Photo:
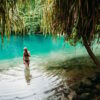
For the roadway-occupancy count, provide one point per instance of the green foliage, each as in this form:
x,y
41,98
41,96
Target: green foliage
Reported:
x,y
35,21
10,19
73,18
15,15
31,13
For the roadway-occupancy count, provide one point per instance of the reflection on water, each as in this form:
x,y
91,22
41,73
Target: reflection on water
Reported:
x,y
27,74
15,80
36,44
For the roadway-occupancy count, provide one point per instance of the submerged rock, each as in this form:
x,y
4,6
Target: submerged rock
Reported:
x,y
98,86
86,89
72,96
95,79
86,82
66,92
85,96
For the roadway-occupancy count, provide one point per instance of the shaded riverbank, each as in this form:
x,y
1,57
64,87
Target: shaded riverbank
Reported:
x,y
81,79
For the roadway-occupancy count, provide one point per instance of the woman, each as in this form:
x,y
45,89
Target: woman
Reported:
x,y
26,56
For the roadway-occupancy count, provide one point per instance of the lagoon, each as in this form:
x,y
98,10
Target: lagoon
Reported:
x,y
35,83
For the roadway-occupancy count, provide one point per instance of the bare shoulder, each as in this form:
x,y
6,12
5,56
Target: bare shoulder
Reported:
x,y
29,53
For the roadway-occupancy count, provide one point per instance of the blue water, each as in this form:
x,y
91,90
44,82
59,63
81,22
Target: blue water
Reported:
x,y
39,44
36,44
13,74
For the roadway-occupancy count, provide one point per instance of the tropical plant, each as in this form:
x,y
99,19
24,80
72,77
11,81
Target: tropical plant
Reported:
x,y
33,22
14,15
9,17
78,20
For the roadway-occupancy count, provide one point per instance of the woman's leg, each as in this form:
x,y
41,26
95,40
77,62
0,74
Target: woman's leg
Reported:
x,y
26,64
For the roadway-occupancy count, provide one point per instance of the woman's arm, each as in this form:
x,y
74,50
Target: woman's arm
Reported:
x,y
23,58
29,54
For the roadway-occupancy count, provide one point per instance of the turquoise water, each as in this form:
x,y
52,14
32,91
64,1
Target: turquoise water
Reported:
x,y
36,44
20,83
39,44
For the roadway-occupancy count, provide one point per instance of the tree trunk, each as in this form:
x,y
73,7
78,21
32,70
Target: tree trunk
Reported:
x,y
91,54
